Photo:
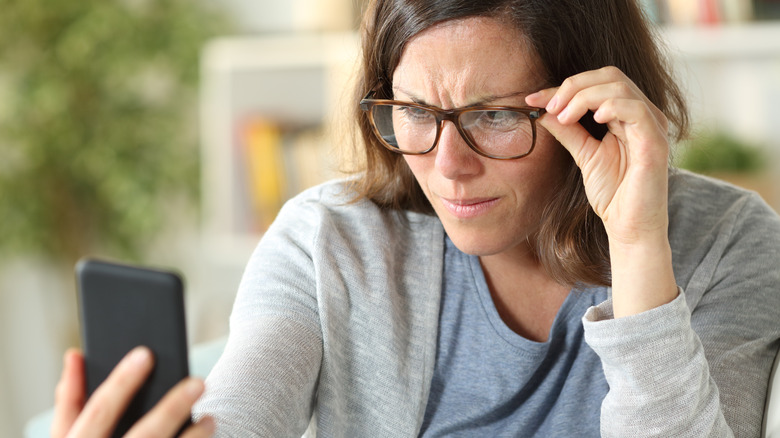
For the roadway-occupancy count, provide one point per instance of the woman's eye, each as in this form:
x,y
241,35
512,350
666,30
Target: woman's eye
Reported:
x,y
499,119
415,114
500,116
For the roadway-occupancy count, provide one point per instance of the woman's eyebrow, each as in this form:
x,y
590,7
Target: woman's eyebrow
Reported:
x,y
481,101
492,98
411,95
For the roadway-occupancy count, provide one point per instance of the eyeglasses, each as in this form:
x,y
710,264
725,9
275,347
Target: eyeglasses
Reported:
x,y
499,132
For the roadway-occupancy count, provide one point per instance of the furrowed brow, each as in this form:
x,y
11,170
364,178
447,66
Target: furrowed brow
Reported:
x,y
486,100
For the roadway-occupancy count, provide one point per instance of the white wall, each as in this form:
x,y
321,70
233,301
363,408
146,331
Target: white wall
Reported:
x,y
34,309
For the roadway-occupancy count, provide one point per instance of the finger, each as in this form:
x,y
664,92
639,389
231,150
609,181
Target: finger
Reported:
x,y
203,428
167,417
69,396
592,98
637,124
595,97
110,399
573,137
574,84
541,98
585,91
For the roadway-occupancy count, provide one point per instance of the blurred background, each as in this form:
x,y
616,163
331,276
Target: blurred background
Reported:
x,y
169,132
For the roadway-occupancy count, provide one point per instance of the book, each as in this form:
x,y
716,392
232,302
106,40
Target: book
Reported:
x,y
265,175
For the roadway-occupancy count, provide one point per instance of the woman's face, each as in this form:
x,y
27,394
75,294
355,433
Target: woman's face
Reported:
x,y
487,206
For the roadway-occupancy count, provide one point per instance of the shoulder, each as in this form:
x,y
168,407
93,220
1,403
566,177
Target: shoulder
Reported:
x,y
335,205
325,239
329,220
721,234
690,192
700,204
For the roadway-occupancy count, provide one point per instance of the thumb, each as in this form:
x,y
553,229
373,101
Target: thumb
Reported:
x,y
69,396
573,136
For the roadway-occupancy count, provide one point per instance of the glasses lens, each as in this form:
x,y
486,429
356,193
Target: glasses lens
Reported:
x,y
405,128
499,133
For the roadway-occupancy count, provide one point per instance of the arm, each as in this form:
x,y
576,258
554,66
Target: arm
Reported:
x,y
625,176
265,381
658,375
723,350
734,294
626,180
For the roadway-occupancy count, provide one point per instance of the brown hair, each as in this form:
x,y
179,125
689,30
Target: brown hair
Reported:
x,y
570,37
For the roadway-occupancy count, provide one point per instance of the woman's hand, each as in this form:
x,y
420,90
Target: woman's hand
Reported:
x,y
625,173
74,416
625,176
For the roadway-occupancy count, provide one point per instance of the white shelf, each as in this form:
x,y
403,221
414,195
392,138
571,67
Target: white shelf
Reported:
x,y
298,81
749,40
732,77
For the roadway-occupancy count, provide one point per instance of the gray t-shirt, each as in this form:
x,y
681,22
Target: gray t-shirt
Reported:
x,y
489,381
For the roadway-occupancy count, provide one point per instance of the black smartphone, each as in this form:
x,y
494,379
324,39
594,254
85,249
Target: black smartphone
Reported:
x,y
122,307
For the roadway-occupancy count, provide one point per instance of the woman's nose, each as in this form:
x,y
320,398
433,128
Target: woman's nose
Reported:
x,y
454,158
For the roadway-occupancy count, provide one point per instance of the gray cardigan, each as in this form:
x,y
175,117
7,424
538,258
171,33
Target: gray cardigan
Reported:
x,y
334,328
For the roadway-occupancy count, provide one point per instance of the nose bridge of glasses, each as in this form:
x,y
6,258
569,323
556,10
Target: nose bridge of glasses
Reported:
x,y
447,114
460,134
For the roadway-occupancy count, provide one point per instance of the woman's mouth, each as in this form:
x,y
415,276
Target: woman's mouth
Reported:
x,y
468,208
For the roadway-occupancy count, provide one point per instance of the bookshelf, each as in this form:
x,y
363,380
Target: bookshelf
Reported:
x,y
270,112
710,12
725,42
732,77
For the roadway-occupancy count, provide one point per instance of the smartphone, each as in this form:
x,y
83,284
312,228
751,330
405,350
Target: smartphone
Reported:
x,y
122,307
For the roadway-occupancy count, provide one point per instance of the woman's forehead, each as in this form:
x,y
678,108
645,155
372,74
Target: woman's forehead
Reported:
x,y
467,59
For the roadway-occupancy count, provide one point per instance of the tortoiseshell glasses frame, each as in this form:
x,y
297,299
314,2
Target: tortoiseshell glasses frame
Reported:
x,y
377,108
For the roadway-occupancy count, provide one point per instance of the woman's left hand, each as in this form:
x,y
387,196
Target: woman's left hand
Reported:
x,y
625,176
625,173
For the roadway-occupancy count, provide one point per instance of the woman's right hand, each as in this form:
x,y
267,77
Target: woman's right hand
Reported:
x,y
74,416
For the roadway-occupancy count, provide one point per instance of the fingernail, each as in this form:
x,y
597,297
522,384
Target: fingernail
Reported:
x,y
140,356
553,104
208,424
597,115
562,115
194,387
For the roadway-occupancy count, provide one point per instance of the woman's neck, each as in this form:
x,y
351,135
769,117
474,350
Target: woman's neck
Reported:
x,y
525,296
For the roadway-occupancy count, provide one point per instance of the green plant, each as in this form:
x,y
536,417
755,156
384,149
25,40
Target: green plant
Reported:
x,y
97,108
719,152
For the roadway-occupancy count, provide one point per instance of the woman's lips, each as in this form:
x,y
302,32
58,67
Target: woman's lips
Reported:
x,y
468,208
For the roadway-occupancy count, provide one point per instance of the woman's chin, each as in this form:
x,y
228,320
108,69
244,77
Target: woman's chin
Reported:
x,y
481,245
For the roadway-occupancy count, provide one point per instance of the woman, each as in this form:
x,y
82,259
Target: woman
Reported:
x,y
515,259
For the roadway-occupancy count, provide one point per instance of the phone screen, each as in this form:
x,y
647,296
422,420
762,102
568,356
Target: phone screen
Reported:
x,y
122,307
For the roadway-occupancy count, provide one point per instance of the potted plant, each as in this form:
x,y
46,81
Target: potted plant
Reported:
x,y
727,157
97,112
98,138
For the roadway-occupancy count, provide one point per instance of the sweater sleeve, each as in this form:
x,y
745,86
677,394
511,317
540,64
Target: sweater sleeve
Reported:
x,y
659,381
265,381
736,309
700,365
